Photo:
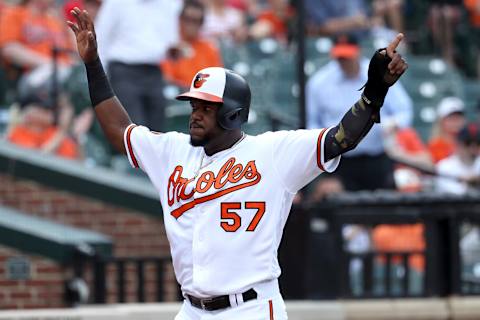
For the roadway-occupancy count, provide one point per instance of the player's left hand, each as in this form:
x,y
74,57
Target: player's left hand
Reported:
x,y
385,68
396,65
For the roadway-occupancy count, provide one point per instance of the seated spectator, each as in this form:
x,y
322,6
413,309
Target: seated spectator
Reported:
x,y
460,172
224,23
450,119
29,34
36,128
404,146
192,53
273,21
331,17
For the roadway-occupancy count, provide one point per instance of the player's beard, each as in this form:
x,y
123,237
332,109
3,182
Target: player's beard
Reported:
x,y
199,142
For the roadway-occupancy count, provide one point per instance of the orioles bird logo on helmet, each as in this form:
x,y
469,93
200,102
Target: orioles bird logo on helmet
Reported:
x,y
200,79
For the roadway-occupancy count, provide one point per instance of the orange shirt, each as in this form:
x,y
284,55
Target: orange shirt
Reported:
x,y
440,148
473,7
23,136
181,71
279,27
401,238
409,140
39,33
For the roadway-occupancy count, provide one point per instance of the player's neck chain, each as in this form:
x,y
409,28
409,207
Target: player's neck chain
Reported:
x,y
207,163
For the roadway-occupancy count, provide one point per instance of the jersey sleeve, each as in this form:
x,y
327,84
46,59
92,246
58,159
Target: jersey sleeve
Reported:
x,y
146,148
298,157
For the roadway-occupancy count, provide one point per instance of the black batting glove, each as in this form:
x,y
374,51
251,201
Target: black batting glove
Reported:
x,y
385,68
377,86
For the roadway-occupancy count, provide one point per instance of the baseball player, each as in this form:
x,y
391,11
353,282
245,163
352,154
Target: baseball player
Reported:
x,y
226,195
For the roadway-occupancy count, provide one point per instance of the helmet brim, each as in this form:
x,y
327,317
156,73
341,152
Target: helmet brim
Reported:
x,y
200,96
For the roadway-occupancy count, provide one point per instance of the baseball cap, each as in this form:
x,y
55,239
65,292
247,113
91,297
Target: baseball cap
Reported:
x,y
470,133
345,46
450,105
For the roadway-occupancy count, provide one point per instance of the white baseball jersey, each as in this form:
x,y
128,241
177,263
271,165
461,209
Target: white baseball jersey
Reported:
x,y
224,214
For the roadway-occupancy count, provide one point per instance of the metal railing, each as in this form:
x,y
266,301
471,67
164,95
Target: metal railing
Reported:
x,y
316,231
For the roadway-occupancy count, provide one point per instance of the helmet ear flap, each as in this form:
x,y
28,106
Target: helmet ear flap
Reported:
x,y
231,119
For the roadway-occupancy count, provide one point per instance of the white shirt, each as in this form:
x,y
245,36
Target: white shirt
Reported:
x,y
329,94
222,26
137,31
224,214
453,166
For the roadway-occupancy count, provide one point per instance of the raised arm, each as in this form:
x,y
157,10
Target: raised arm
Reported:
x,y
386,67
110,113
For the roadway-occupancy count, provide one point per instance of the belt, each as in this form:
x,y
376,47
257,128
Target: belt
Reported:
x,y
220,302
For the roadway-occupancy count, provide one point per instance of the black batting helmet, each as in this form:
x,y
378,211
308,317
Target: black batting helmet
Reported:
x,y
223,86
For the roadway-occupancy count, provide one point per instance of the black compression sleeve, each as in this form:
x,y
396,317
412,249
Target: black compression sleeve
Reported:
x,y
98,84
354,125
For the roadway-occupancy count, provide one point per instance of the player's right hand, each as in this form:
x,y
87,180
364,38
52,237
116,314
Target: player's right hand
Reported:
x,y
85,35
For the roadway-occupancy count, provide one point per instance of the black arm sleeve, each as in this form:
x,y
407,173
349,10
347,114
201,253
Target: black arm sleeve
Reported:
x,y
354,125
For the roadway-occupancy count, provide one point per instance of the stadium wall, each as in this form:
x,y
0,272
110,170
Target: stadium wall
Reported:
x,y
44,289
134,234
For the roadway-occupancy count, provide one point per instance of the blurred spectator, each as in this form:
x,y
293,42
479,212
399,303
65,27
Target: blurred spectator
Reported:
x,y
405,147
450,119
273,21
192,53
444,17
460,172
325,187
37,130
133,36
334,87
30,32
331,17
223,22
399,238
391,12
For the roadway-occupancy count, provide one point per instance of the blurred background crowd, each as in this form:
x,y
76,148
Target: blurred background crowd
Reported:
x,y
429,137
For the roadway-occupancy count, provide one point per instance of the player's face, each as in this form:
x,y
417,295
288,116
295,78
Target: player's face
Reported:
x,y
203,123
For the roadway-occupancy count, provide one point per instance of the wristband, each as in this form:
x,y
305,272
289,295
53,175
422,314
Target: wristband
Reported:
x,y
98,84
